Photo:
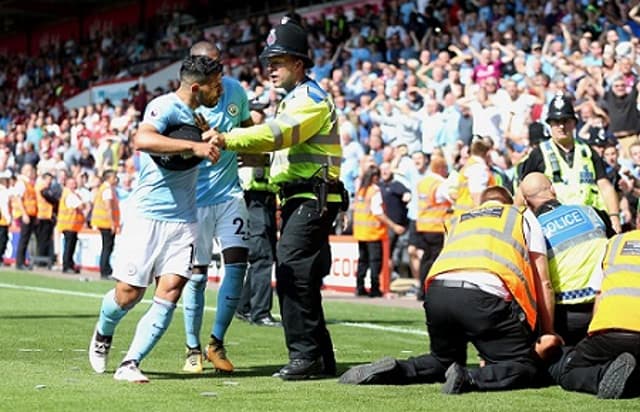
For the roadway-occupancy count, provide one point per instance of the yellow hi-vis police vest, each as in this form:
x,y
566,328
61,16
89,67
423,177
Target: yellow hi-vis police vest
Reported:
x,y
574,185
45,209
491,239
304,133
463,200
576,240
431,214
366,226
100,216
619,304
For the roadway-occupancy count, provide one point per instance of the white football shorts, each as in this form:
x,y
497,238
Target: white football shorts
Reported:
x,y
148,248
228,222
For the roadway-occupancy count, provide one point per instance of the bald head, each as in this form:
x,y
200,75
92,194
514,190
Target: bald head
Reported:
x,y
536,188
204,48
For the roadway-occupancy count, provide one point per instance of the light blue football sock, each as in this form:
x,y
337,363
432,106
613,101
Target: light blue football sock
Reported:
x,y
228,298
110,314
193,302
150,329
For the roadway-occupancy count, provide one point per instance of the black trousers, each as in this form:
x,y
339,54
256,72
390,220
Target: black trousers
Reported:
x,y
581,368
370,257
70,241
491,324
108,239
572,321
44,237
257,294
304,258
25,235
433,243
4,239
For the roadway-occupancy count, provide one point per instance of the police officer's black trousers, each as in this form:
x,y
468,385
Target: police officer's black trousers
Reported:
x,y
257,295
108,239
304,258
582,368
457,316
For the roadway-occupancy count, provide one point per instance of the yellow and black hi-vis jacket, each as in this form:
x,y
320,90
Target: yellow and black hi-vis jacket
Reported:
x,y
303,134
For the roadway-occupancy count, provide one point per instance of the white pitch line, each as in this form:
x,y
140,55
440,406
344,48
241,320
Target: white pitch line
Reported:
x,y
362,325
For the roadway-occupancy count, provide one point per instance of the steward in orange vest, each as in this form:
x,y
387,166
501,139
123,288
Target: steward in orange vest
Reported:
x,y
482,289
370,230
106,218
474,177
434,209
71,220
47,205
25,210
604,362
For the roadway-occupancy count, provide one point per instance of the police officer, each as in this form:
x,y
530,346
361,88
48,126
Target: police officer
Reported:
x,y
577,172
604,362
576,236
306,167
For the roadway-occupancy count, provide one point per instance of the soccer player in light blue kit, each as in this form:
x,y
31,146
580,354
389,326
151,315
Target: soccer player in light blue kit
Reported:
x,y
157,243
222,213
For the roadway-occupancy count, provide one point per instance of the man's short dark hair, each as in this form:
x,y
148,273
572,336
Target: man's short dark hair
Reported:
x,y
198,69
107,174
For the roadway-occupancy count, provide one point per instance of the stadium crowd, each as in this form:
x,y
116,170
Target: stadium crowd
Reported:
x,y
408,79
457,103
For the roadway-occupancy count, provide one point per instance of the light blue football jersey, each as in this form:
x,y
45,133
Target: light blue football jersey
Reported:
x,y
219,182
162,194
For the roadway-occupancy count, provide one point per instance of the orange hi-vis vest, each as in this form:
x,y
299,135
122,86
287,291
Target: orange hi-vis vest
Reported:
x,y
619,304
101,217
366,226
29,200
45,209
463,199
491,239
69,218
432,214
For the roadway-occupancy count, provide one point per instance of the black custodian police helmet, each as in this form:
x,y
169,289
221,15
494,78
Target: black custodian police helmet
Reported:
x,y
287,38
180,161
560,108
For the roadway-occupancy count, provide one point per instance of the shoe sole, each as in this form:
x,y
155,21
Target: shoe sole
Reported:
x,y
450,384
362,374
613,381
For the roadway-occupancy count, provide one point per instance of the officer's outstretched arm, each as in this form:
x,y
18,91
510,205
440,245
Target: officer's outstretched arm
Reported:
x,y
295,125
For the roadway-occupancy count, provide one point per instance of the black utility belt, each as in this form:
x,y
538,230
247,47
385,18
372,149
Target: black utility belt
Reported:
x,y
288,190
319,187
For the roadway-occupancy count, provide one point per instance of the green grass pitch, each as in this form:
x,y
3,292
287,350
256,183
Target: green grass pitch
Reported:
x,y
46,323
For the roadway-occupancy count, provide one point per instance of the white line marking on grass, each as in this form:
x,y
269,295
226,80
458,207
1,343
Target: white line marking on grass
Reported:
x,y
373,326
362,325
